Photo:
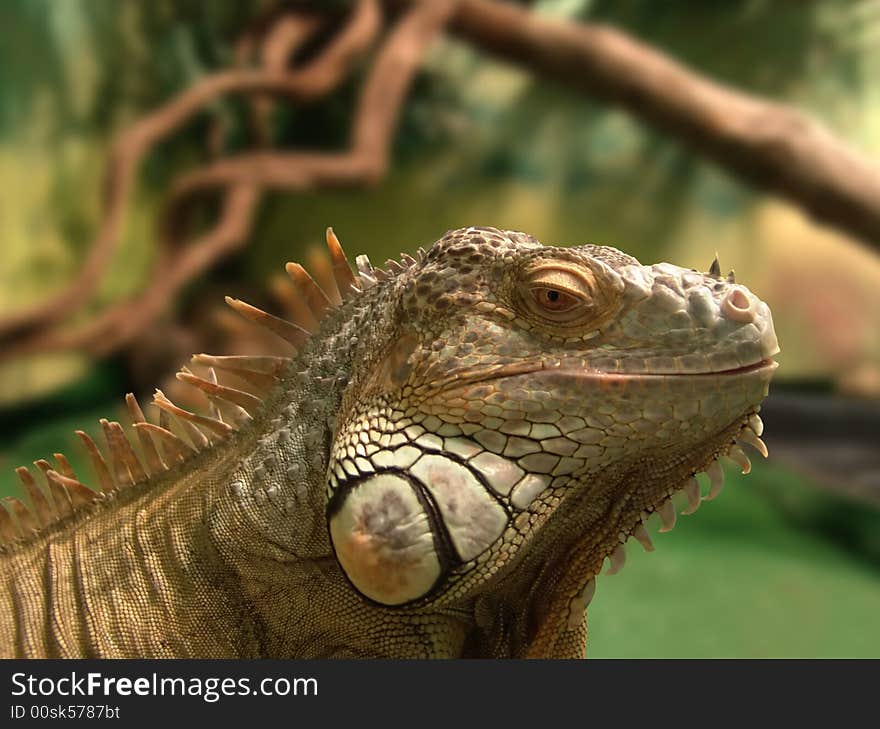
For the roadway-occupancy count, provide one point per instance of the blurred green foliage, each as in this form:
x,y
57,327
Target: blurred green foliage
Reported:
x,y
771,569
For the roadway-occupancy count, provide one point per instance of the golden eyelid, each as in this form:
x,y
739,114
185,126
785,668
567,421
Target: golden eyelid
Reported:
x,y
565,295
569,282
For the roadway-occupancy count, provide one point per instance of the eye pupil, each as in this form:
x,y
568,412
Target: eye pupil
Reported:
x,y
554,300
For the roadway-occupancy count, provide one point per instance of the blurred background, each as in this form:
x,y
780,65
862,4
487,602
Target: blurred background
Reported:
x,y
114,258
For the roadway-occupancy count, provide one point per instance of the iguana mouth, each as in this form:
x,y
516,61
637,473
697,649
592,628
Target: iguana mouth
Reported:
x,y
765,363
497,372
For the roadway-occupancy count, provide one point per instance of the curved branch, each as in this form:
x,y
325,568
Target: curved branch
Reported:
x,y
314,80
375,118
245,177
769,145
282,41
120,323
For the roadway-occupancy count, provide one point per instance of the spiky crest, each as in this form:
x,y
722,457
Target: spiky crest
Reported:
x,y
181,434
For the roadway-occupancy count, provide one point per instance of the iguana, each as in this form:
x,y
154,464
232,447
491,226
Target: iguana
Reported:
x,y
440,470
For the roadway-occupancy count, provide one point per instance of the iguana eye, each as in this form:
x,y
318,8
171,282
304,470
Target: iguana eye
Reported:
x,y
560,294
554,300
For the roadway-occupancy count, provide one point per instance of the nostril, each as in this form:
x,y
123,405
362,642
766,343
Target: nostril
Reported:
x,y
736,306
738,299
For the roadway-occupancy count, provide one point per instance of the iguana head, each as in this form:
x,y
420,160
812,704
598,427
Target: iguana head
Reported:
x,y
531,408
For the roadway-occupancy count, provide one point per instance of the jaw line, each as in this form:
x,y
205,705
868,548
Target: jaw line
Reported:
x,y
496,372
764,366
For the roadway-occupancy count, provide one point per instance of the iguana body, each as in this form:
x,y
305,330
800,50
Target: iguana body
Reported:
x,y
440,470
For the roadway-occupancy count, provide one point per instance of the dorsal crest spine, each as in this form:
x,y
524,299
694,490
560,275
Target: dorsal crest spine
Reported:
x,y
180,434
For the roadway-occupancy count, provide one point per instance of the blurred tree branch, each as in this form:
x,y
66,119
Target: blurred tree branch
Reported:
x,y
33,329
767,144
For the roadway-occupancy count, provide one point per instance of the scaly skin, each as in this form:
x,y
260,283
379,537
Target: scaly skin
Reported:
x,y
440,471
